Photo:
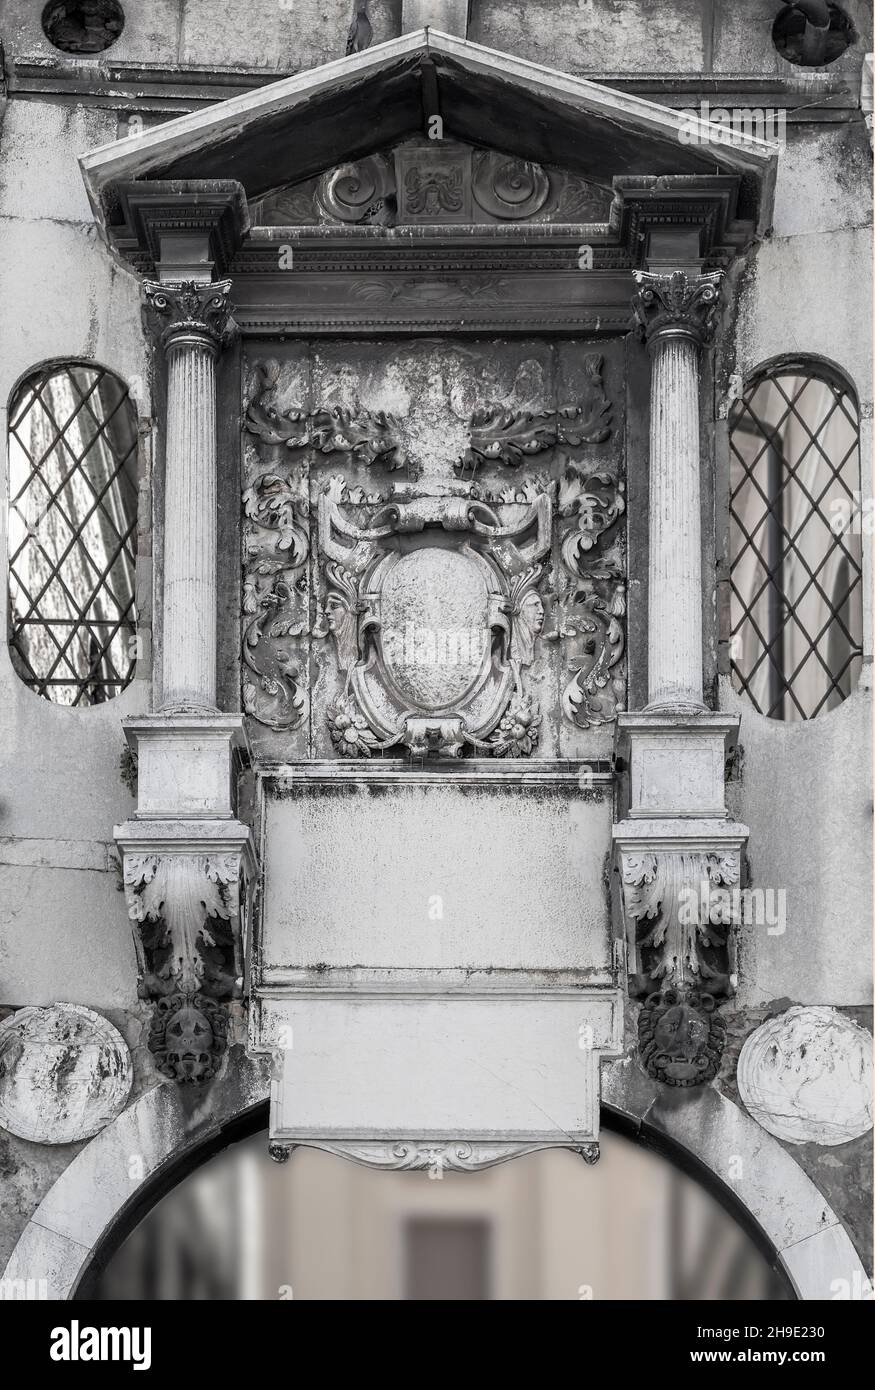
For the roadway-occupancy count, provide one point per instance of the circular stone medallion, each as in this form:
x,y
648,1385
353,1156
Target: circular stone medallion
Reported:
x,y
65,1072
806,1077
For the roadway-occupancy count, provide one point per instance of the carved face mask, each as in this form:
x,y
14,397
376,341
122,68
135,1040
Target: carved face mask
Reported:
x,y
189,1042
681,1038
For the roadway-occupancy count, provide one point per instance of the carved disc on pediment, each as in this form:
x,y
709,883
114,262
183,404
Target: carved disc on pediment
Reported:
x,y
349,192
509,188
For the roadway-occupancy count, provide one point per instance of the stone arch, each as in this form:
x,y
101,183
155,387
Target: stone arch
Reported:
x,y
170,1130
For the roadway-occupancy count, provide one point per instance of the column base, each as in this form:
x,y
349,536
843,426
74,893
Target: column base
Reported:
x,y
676,760
186,762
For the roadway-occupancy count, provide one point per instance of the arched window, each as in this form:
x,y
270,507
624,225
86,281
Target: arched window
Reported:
x,y
795,539
72,533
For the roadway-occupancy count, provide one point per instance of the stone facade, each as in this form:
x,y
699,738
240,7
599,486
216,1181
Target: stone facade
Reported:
x,y
432,713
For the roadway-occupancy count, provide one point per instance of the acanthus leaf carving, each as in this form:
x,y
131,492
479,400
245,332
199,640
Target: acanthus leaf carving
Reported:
x,y
680,923
189,307
185,907
594,503
507,436
592,623
677,305
180,901
369,436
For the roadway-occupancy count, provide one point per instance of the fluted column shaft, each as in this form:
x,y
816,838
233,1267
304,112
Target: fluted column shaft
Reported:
x,y
677,315
195,317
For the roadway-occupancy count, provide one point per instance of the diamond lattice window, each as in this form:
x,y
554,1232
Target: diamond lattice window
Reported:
x,y
72,533
796,518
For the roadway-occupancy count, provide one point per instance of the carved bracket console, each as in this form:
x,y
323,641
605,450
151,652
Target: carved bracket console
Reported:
x,y
678,863
188,868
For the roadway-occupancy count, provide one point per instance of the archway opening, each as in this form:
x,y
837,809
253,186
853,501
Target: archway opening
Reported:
x,y
234,1225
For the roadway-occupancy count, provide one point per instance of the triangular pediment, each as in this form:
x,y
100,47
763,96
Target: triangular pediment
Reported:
x,y
296,129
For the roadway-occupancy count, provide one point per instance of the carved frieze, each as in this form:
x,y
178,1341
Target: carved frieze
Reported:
x,y
436,1159
186,909
437,182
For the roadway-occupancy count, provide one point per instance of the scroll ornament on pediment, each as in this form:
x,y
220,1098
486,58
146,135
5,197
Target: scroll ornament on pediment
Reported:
x,y
454,678
185,907
681,913
501,435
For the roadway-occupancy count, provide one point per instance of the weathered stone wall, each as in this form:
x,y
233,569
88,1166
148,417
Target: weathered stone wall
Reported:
x,y
804,789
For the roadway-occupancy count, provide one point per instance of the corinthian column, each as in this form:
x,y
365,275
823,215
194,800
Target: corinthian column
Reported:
x,y
194,317
676,313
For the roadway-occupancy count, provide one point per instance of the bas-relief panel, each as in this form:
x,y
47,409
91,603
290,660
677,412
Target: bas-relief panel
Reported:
x,y
434,549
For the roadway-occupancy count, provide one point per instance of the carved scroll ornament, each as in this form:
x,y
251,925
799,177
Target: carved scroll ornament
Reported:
x,y
407,1156
507,187
274,600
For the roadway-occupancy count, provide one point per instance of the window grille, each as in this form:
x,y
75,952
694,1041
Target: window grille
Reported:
x,y
795,540
72,533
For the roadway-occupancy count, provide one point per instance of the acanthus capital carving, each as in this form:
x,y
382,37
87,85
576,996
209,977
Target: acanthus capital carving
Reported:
x,y
189,310
677,306
680,913
185,907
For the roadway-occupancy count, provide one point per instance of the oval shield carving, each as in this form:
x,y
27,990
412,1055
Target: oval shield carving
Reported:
x,y
434,625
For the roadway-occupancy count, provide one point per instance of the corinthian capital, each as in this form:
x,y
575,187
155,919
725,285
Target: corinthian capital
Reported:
x,y
677,306
189,308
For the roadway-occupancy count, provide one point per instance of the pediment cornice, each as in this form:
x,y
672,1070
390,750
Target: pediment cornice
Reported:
x,y
300,126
